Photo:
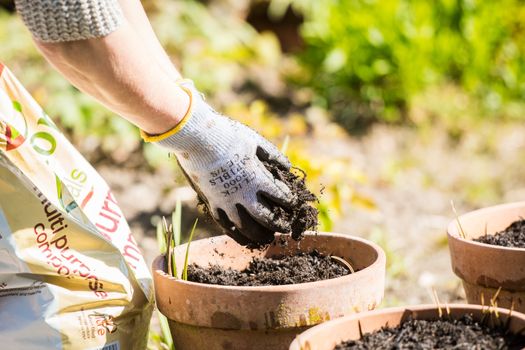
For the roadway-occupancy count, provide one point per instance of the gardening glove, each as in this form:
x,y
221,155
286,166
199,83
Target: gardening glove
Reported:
x,y
222,160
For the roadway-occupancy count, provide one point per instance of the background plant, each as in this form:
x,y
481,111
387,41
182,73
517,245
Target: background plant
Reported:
x,y
374,60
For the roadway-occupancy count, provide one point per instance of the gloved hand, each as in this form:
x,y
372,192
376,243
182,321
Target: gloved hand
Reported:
x,y
221,158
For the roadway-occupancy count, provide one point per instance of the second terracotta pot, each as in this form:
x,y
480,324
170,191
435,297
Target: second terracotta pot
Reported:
x,y
327,335
215,317
486,268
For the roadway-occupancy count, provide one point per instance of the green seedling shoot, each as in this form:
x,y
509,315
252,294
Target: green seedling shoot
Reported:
x,y
161,239
164,243
185,269
176,219
169,237
166,339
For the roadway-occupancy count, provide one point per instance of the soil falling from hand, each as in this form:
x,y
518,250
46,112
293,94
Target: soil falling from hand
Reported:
x,y
513,236
302,216
463,334
279,270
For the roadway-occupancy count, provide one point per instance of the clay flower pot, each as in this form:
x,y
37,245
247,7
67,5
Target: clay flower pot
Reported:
x,y
485,268
327,335
212,317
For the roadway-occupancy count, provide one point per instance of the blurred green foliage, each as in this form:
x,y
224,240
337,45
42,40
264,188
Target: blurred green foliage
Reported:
x,y
372,60
365,60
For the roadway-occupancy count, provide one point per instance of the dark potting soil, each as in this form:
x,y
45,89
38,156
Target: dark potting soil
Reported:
x,y
512,236
303,216
465,333
300,268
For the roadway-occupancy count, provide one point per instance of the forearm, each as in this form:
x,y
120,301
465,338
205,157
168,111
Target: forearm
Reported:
x,y
110,52
117,59
136,16
117,71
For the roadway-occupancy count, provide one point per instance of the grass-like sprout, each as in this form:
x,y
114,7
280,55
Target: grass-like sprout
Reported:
x,y
164,242
461,232
169,237
436,300
176,220
286,141
185,269
170,247
166,340
494,301
161,239
447,307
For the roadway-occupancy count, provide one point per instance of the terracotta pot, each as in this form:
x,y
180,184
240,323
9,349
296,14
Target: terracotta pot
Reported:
x,y
327,335
211,317
485,268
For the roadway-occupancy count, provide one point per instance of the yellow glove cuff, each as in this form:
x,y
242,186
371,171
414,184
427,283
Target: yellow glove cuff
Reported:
x,y
155,138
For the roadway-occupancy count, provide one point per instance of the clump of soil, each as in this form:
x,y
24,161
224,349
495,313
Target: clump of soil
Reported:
x,y
512,236
303,216
464,333
279,270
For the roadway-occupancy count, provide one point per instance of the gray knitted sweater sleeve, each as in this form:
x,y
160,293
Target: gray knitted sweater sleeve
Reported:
x,y
68,20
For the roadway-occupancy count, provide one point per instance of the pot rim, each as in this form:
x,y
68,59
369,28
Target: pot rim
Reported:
x,y
379,261
393,310
453,232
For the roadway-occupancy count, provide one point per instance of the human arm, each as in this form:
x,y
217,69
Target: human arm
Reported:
x,y
126,69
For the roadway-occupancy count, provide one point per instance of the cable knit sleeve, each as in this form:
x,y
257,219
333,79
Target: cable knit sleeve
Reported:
x,y
68,20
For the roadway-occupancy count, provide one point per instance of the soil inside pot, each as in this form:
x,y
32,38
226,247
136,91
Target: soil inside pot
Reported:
x,y
279,270
512,236
303,216
464,333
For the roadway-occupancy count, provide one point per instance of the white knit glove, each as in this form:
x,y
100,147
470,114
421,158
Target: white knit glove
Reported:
x,y
221,158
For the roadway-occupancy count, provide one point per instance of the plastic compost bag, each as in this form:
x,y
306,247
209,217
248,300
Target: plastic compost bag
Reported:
x,y
71,274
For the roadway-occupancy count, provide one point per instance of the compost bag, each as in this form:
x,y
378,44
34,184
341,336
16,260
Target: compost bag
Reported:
x,y
71,274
